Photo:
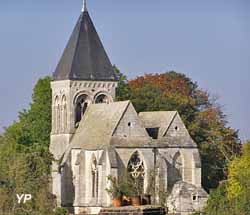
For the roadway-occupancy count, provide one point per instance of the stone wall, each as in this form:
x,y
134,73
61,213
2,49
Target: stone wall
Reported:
x,y
130,125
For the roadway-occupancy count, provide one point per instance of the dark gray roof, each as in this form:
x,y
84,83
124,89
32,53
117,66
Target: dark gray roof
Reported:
x,y
84,57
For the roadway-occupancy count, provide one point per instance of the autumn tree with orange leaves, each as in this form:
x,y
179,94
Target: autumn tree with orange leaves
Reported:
x,y
203,116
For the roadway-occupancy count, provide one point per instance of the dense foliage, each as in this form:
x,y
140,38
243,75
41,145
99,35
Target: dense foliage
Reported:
x,y
25,158
232,196
207,124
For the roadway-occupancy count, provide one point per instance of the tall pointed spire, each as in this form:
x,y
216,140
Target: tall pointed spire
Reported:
x,y
84,7
84,57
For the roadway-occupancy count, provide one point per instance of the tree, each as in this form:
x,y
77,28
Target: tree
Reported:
x,y
122,91
25,158
217,203
169,91
239,174
34,125
232,196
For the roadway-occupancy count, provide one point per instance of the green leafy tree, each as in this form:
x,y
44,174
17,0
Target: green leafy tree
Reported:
x,y
39,115
25,158
122,91
232,196
239,174
34,125
217,203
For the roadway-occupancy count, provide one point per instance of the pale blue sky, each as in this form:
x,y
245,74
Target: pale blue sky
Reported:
x,y
208,40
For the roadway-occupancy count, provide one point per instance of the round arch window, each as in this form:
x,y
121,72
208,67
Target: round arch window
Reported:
x,y
102,99
80,108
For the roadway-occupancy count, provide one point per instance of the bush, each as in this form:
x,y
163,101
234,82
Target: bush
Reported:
x,y
61,211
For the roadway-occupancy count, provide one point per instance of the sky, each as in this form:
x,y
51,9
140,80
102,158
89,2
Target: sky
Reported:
x,y
209,41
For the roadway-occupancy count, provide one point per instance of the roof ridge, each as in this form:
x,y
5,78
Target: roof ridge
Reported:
x,y
167,111
71,66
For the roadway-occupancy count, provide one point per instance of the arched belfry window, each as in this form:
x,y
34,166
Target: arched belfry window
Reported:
x,y
94,173
64,113
102,98
80,108
178,167
136,171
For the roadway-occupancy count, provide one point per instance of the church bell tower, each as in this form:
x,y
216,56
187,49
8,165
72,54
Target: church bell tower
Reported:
x,y
83,76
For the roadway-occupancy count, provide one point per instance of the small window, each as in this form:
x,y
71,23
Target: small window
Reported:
x,y
194,197
176,128
102,99
129,124
153,132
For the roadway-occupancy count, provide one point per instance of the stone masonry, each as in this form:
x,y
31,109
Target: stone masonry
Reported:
x,y
94,137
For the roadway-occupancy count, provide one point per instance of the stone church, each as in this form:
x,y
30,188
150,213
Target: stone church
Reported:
x,y
93,136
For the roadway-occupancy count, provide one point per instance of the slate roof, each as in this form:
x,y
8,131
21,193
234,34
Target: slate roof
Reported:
x,y
98,124
84,57
157,119
96,129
